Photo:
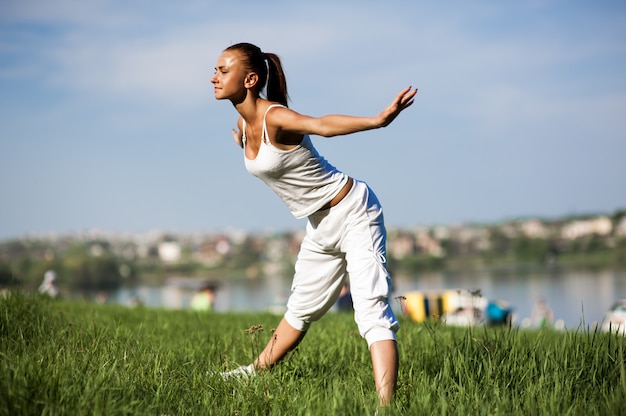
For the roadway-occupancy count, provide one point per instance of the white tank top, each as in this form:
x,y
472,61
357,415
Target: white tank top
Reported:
x,y
301,177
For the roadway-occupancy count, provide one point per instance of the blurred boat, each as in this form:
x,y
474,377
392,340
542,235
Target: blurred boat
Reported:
x,y
458,307
615,319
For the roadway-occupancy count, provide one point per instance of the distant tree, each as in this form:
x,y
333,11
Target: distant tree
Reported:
x,y
91,265
248,253
500,243
90,272
531,249
7,278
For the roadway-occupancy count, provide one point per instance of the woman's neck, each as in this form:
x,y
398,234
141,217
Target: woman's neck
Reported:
x,y
251,108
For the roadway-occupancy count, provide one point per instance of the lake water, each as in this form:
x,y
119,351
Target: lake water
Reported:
x,y
573,296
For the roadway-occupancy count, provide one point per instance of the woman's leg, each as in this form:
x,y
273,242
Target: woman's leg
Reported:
x,y
317,282
370,282
385,364
319,276
284,339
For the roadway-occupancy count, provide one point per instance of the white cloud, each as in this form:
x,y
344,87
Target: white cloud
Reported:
x,y
174,68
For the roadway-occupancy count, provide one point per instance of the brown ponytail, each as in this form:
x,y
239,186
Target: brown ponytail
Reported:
x,y
270,73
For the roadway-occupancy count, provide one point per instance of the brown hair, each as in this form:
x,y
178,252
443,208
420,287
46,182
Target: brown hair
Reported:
x,y
272,73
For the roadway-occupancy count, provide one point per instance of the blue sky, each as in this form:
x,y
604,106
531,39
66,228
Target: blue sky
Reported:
x,y
108,121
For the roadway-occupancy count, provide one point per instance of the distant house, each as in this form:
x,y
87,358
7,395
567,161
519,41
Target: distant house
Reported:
x,y
428,244
620,228
169,251
600,226
534,229
401,245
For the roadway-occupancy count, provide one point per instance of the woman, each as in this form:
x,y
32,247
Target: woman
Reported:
x,y
345,231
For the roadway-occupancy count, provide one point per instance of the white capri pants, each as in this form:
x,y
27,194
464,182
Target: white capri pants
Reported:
x,y
349,238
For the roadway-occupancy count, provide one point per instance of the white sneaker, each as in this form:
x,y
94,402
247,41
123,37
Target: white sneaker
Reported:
x,y
242,372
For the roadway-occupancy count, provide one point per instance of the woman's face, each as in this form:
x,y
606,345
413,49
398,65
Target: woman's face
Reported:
x,y
228,81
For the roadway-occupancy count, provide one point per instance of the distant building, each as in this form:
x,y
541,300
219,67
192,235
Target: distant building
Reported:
x,y
600,226
534,229
169,251
620,228
401,245
428,244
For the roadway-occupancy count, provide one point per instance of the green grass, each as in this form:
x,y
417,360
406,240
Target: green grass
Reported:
x,y
69,358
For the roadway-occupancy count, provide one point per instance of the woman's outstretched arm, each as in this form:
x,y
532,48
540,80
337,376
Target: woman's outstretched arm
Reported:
x,y
335,124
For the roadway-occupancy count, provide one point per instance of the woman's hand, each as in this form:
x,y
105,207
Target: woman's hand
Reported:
x,y
238,137
237,133
403,100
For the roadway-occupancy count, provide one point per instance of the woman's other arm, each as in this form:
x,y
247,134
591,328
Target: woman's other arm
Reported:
x,y
335,124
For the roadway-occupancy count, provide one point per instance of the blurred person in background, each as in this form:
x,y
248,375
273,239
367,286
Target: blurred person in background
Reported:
x,y
48,286
542,315
203,299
